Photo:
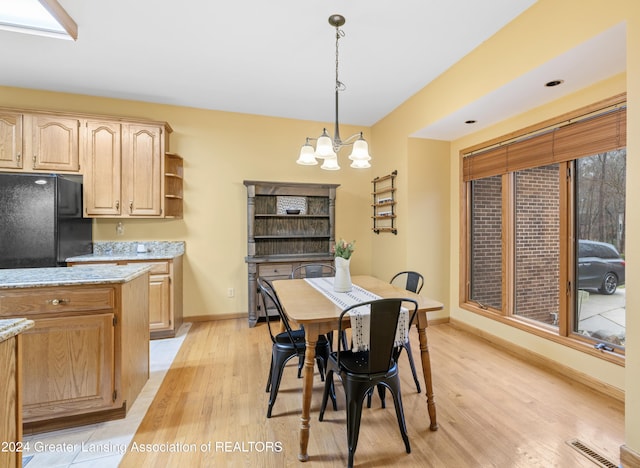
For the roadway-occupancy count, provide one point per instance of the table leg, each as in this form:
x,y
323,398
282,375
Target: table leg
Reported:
x,y
311,337
426,370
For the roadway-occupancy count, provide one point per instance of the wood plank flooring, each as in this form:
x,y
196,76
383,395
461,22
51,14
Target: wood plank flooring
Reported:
x,y
494,410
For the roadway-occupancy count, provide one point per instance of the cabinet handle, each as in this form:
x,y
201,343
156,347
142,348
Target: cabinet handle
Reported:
x,y
130,206
56,302
18,158
35,158
117,204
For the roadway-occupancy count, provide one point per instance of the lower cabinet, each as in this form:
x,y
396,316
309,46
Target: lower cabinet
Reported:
x,y
69,366
86,358
10,391
165,293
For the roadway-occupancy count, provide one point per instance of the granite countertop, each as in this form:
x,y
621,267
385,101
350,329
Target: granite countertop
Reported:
x,y
11,327
104,251
69,276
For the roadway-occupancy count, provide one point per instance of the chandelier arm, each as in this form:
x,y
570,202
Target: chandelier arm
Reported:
x,y
352,139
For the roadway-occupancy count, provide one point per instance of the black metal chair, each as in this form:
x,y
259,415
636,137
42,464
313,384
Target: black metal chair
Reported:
x,y
361,371
411,281
318,270
287,345
313,270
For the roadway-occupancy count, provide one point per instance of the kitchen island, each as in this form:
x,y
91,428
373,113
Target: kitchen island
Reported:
x,y
86,358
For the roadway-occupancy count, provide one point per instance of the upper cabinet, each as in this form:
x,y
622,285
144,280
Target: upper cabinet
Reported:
x,y
124,169
54,143
10,140
39,142
142,172
103,159
127,169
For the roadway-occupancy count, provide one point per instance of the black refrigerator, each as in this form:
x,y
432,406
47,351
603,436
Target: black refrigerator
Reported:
x,y
41,221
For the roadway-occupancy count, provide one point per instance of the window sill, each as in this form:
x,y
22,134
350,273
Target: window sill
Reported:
x,y
576,342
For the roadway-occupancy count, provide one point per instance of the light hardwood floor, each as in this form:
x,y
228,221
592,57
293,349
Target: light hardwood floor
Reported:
x,y
494,410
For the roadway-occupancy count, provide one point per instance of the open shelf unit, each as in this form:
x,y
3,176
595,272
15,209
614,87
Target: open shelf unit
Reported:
x,y
173,190
384,204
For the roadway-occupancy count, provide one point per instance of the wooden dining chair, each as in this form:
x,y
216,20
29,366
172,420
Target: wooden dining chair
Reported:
x,y
286,345
361,371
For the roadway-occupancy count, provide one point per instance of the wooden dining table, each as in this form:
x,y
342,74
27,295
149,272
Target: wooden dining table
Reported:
x,y
305,305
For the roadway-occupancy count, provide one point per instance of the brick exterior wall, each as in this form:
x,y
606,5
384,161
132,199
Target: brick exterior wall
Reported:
x,y
486,245
537,243
537,221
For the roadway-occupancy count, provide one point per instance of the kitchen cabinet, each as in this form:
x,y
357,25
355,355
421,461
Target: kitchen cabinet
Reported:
x,y
165,296
288,224
11,391
10,140
125,171
54,143
87,357
39,142
128,171
102,157
165,292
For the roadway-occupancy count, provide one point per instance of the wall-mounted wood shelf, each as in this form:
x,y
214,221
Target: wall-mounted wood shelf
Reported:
x,y
384,204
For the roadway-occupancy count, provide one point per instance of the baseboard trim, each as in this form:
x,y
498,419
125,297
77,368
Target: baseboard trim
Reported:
x,y
543,362
629,458
209,318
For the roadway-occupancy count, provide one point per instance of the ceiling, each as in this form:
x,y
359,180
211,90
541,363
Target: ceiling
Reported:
x,y
278,58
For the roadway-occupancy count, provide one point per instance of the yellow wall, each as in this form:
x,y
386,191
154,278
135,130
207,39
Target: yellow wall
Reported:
x,y
548,29
221,150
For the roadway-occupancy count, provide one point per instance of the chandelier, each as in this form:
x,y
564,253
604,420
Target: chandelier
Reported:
x,y
327,148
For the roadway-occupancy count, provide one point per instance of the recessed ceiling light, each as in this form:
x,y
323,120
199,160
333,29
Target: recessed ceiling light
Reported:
x,y
552,83
40,17
470,121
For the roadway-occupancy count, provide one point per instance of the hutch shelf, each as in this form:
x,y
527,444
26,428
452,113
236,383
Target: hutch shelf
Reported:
x,y
288,224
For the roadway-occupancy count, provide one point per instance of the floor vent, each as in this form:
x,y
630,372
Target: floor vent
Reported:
x,y
591,454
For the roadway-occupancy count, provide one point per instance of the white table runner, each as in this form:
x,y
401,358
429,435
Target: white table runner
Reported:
x,y
360,316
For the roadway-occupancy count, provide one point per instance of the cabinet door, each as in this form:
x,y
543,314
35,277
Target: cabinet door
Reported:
x,y
55,143
142,170
10,416
159,300
10,140
68,366
102,157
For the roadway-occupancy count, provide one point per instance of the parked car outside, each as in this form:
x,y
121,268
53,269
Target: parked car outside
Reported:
x,y
600,267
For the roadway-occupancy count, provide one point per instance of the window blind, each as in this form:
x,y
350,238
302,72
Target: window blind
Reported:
x,y
594,134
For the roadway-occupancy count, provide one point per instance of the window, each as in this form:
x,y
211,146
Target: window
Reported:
x,y
544,229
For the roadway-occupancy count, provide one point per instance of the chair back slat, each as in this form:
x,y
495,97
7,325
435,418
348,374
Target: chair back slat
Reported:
x,y
384,320
313,270
413,281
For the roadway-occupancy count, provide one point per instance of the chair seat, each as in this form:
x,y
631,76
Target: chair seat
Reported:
x,y
298,338
355,363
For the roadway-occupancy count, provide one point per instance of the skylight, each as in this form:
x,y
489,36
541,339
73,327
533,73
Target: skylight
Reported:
x,y
40,17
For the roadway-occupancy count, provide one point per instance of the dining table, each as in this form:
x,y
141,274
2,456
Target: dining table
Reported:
x,y
306,306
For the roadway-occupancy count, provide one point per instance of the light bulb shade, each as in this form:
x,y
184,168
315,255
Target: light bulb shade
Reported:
x,y
324,146
307,156
330,164
360,150
360,164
